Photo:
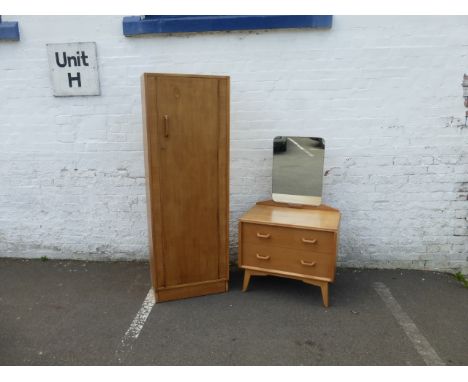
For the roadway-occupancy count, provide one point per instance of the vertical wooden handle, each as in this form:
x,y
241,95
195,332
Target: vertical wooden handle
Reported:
x,y
166,125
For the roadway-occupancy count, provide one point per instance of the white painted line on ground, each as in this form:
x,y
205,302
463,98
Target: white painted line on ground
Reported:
x,y
139,321
136,326
301,148
422,345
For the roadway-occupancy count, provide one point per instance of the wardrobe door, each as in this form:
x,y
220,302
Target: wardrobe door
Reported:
x,y
189,172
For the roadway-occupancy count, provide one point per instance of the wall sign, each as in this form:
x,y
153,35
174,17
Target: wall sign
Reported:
x,y
74,69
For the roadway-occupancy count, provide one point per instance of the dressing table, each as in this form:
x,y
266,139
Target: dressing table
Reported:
x,y
297,243
289,236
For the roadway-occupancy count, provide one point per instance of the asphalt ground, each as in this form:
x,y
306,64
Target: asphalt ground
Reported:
x,y
79,313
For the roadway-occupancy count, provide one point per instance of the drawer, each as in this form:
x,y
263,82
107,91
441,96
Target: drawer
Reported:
x,y
289,260
300,239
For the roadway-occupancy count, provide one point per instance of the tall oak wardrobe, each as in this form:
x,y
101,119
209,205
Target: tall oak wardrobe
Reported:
x,y
186,135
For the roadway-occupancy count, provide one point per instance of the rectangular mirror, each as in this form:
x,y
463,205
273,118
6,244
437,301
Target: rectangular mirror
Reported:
x,y
298,170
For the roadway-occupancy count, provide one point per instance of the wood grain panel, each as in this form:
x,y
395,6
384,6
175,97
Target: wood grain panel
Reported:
x,y
300,239
317,218
289,260
223,177
152,180
186,291
187,110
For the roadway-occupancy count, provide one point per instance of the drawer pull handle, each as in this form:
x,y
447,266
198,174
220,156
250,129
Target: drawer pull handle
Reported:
x,y
263,235
307,264
313,241
260,257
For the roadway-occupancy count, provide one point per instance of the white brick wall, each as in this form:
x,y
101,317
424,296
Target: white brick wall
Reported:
x,y
383,91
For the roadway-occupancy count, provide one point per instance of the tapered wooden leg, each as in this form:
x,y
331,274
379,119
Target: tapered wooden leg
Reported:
x,y
246,280
324,288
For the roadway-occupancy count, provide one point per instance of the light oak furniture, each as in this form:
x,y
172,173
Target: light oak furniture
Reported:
x,y
281,240
186,136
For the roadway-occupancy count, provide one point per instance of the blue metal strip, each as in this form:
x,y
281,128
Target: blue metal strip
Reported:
x,y
136,25
9,30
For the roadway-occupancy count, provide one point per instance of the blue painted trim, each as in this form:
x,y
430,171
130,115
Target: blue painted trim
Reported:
x,y
137,25
9,30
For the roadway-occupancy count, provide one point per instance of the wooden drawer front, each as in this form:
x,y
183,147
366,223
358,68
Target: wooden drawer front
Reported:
x,y
289,260
301,239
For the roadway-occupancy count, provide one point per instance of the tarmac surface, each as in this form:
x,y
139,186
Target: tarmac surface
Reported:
x,y
78,313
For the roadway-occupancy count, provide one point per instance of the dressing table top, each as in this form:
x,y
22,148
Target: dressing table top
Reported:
x,y
268,212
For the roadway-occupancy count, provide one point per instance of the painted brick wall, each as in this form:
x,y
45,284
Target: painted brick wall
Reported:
x,y
383,91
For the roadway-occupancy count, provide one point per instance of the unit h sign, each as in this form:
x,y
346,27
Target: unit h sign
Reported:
x,y
73,69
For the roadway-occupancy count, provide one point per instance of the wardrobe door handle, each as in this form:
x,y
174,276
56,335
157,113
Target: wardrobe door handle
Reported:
x,y
263,235
307,264
166,125
260,257
313,241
